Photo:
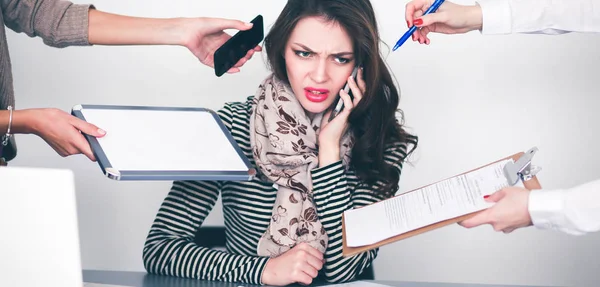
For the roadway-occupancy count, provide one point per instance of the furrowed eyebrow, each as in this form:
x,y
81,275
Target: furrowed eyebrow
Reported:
x,y
341,54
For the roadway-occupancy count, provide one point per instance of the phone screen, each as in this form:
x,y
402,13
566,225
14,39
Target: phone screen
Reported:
x,y
236,48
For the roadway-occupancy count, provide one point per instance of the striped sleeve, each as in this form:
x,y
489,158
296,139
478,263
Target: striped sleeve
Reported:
x,y
333,195
170,248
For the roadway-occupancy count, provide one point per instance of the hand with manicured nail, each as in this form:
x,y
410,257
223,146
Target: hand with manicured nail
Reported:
x,y
509,212
450,18
62,131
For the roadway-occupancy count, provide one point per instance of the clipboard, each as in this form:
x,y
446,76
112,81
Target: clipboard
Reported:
x,y
164,143
520,170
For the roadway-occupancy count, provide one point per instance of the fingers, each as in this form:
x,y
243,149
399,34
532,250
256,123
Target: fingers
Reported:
x,y
315,262
311,250
71,143
357,92
233,70
479,219
79,141
64,133
84,147
424,32
496,196
87,128
430,19
245,59
419,12
223,24
508,230
310,261
302,275
416,36
348,105
326,116
411,8
361,80
310,270
242,61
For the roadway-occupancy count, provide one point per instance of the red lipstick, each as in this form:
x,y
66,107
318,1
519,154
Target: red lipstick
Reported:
x,y
316,95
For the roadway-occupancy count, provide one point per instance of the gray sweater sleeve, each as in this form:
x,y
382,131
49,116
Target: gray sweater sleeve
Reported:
x,y
58,23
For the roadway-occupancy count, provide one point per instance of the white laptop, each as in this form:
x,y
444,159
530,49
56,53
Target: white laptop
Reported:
x,y
39,245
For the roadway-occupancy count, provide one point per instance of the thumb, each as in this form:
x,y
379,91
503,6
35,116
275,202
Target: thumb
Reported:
x,y
494,197
412,7
479,218
88,128
223,24
429,19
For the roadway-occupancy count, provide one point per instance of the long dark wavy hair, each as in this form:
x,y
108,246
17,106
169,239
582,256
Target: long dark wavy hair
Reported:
x,y
373,120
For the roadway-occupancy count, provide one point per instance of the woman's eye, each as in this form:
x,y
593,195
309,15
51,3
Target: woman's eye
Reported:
x,y
303,54
342,60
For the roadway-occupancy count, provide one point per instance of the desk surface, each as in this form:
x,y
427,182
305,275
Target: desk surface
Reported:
x,y
142,279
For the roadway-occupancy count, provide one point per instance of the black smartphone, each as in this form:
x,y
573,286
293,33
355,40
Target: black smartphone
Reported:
x,y
338,104
236,48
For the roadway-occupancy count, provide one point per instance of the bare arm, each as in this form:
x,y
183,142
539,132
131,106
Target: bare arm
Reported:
x,y
62,24
112,29
22,122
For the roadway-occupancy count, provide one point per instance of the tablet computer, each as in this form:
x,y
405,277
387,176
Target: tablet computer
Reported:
x,y
164,143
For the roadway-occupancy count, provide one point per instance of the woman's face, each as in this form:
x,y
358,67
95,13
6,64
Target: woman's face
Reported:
x,y
319,59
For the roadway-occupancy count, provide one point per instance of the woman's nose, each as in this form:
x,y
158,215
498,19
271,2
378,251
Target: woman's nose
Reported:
x,y
319,73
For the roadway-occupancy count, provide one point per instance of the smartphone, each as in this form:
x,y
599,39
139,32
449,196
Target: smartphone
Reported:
x,y
338,104
236,48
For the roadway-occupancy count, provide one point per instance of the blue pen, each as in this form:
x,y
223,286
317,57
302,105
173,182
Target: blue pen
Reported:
x,y
412,29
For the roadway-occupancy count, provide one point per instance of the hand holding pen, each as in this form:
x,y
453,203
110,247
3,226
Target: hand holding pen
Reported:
x,y
449,18
432,8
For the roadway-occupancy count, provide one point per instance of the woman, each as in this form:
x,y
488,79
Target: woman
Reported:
x,y
574,210
285,226
61,24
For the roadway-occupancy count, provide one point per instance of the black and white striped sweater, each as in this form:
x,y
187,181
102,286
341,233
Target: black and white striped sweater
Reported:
x,y
247,208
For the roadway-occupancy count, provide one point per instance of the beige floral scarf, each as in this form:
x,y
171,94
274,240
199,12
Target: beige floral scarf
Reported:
x,y
284,146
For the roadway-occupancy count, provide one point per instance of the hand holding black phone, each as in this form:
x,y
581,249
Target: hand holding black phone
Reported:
x,y
338,105
236,48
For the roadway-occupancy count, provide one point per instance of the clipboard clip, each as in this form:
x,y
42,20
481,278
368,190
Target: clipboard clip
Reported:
x,y
522,169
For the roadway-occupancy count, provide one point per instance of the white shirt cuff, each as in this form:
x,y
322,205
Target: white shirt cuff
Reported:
x,y
546,209
497,17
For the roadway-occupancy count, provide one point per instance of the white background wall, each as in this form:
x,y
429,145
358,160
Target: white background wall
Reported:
x,y
472,99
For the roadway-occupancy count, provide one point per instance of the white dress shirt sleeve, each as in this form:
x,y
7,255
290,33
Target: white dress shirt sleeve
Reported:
x,y
539,16
574,211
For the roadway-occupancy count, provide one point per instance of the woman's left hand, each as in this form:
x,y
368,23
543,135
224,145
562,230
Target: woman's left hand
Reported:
x,y
331,132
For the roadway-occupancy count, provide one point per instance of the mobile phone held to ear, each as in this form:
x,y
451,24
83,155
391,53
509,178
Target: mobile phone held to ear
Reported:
x,y
236,48
339,103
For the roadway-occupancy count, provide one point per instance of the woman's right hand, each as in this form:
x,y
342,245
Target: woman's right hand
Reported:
x,y
300,264
450,18
59,129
